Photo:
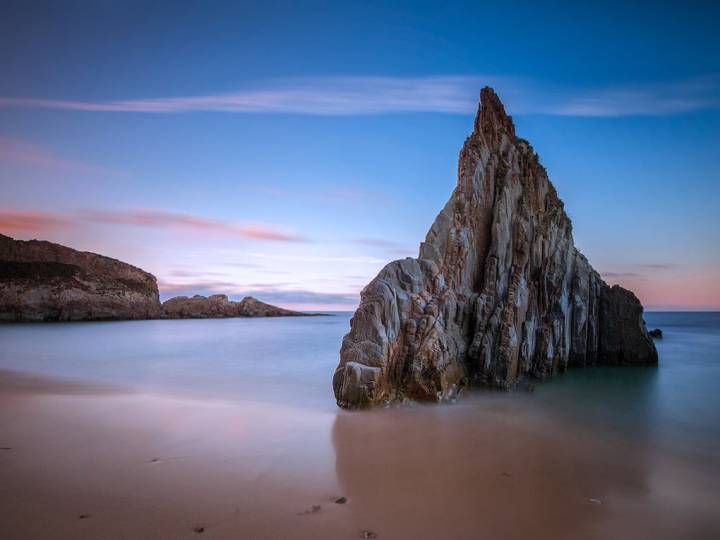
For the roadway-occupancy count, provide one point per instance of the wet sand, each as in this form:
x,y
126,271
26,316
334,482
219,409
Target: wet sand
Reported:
x,y
88,461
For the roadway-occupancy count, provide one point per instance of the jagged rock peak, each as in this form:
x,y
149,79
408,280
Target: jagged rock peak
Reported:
x,y
498,293
491,116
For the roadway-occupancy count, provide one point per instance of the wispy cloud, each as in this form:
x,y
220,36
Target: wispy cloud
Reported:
x,y
641,271
21,152
31,221
659,266
164,219
314,258
319,96
620,275
654,99
204,287
357,95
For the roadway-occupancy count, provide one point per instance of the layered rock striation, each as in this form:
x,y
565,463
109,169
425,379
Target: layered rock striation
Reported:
x,y
42,281
220,306
498,293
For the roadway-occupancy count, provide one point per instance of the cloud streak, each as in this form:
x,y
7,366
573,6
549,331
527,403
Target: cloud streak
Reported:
x,y
31,222
164,219
359,95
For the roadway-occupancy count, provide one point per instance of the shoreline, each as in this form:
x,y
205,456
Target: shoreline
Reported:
x,y
144,465
56,321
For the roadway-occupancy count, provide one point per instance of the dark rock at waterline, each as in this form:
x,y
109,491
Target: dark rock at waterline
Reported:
x,y
655,333
498,293
42,281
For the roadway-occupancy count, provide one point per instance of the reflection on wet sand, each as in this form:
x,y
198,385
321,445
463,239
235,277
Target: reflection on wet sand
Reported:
x,y
493,468
93,462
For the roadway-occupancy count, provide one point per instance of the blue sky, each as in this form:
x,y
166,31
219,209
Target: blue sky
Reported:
x,y
290,150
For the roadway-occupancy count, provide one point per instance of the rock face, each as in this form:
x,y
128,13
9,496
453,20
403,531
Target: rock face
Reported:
x,y
42,281
218,306
499,293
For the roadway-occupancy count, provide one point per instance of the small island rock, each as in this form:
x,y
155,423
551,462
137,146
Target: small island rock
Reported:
x,y
219,306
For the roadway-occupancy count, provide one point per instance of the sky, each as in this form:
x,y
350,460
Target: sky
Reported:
x,y
289,150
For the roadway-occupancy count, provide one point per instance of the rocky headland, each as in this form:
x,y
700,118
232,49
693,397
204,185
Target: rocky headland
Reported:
x,y
220,306
43,281
498,293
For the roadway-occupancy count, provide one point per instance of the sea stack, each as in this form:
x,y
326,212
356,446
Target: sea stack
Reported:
x,y
498,294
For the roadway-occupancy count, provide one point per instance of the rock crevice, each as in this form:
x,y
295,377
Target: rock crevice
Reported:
x,y
498,293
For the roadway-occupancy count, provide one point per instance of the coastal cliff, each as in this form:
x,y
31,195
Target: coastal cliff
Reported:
x,y
219,306
42,281
498,294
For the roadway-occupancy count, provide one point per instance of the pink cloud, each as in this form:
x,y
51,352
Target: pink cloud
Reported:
x,y
29,154
32,222
165,219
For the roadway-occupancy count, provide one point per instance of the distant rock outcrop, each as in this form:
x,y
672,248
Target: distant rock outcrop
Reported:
x,y
218,306
498,293
42,281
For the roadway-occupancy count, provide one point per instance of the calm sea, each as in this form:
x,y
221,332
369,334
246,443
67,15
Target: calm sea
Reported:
x,y
291,361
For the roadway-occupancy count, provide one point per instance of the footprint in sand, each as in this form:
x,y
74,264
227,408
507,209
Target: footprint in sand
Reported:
x,y
312,510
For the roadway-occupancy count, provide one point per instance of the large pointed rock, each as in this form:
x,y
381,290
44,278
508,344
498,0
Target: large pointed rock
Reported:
x,y
498,293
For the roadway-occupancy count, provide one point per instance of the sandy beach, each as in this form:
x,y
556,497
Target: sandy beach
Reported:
x,y
92,461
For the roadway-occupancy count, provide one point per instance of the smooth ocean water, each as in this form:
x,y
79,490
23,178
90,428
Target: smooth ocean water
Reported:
x,y
291,361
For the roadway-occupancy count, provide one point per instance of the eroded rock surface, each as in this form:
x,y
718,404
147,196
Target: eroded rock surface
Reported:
x,y
498,293
218,306
42,281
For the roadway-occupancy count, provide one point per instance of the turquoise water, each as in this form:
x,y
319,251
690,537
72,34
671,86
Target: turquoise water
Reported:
x,y
285,360
291,361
